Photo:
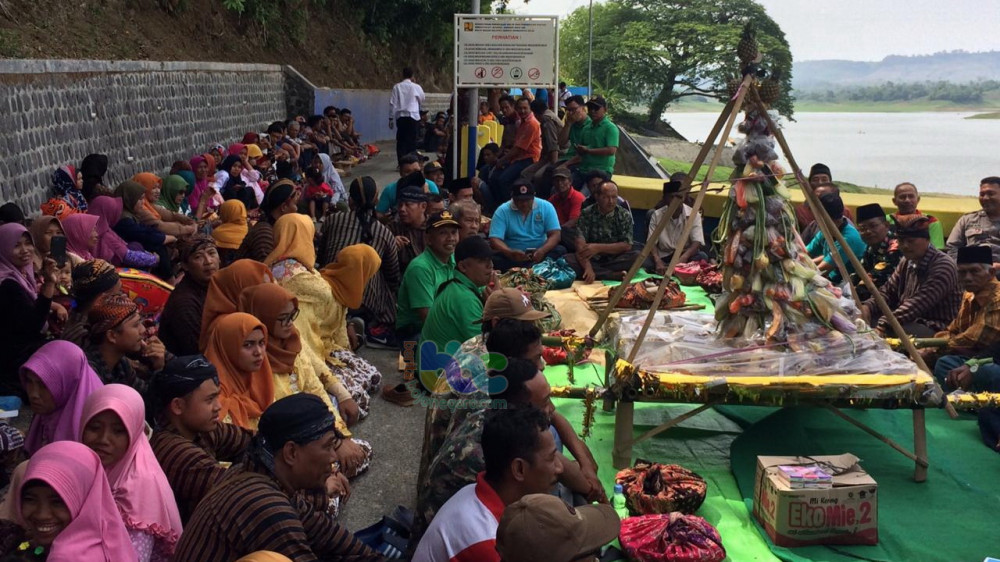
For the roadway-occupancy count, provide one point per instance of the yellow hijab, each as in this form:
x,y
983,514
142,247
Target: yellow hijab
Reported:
x,y
353,269
293,238
233,230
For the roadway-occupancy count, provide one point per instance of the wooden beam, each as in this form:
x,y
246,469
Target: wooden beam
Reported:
x,y
674,421
921,461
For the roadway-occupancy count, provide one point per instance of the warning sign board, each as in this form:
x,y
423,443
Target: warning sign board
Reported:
x,y
518,50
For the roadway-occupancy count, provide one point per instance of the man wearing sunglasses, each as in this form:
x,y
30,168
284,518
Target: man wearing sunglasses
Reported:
x,y
598,143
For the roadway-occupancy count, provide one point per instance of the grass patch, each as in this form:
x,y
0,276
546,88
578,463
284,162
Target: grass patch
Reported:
x,y
721,173
10,45
994,115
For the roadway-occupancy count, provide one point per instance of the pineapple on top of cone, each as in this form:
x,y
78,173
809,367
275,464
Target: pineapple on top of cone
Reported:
x,y
771,288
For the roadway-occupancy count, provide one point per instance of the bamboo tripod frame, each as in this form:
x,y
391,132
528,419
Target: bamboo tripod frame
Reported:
x,y
622,451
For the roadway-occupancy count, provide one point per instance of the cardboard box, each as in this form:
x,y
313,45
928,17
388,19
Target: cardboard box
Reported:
x,y
844,514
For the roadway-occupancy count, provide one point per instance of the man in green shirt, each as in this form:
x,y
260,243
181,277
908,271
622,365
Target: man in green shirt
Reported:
x,y
598,143
428,271
458,304
571,134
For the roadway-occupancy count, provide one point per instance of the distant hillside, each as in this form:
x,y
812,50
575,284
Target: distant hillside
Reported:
x,y
955,67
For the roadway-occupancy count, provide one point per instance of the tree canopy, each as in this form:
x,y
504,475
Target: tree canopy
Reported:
x,y
655,52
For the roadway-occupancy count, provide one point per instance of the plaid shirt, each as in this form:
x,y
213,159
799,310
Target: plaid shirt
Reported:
x,y
614,227
926,291
977,326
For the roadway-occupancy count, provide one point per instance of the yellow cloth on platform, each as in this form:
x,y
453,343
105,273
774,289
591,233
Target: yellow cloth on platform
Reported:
x,y
293,238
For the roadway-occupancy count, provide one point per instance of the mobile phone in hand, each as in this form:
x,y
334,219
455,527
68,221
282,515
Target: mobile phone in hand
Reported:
x,y
57,250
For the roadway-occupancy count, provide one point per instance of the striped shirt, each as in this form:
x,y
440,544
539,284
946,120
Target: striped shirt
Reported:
x,y
258,243
925,291
977,326
192,467
250,511
342,229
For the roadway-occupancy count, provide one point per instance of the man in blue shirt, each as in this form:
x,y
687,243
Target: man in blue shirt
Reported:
x,y
819,247
525,230
408,164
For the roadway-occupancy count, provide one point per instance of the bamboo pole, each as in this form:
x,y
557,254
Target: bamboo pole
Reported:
x,y
651,240
920,444
920,461
883,306
675,421
689,222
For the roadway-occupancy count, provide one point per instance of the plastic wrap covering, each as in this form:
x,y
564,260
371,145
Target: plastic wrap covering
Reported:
x,y
686,343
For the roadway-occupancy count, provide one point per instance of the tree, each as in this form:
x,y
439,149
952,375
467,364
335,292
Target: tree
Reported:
x,y
659,51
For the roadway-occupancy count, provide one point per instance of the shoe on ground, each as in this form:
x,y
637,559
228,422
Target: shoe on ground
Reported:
x,y
381,337
399,395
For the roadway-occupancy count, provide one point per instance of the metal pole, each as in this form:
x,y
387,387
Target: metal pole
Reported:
x,y
473,114
590,53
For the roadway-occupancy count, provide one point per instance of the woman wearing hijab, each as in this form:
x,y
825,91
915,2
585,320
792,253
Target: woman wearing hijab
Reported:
x,y
295,367
80,230
230,233
57,380
113,426
293,264
66,183
332,178
224,290
173,193
20,298
43,228
65,506
233,186
131,228
167,222
281,198
359,226
92,171
110,247
238,349
202,198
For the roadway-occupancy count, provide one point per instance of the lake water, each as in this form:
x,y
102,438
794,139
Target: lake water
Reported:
x,y
941,152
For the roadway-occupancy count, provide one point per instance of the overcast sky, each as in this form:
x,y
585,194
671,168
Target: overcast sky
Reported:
x,y
861,29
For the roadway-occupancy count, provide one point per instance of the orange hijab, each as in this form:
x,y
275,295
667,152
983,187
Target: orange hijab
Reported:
x,y
224,290
243,395
265,302
293,238
233,230
353,269
149,181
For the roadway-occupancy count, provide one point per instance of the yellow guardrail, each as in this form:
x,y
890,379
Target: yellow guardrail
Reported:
x,y
644,193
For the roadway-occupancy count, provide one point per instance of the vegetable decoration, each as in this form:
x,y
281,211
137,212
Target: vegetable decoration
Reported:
x,y
770,285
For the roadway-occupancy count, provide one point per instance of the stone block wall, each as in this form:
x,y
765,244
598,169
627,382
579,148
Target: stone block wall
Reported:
x,y
143,115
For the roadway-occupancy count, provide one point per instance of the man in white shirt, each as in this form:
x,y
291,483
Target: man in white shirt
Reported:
x,y
405,112
669,240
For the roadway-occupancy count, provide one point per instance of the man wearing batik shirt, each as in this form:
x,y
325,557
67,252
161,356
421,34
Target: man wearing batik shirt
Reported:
x,y
882,255
923,292
976,329
604,242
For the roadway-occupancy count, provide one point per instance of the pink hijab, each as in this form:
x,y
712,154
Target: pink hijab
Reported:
x,y
200,185
78,227
138,484
235,149
64,370
96,532
110,247
10,234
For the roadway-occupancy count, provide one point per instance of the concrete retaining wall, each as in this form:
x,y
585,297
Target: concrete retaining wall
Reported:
x,y
371,109
143,115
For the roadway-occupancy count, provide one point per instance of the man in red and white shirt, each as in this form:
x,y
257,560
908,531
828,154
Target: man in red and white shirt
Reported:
x,y
520,457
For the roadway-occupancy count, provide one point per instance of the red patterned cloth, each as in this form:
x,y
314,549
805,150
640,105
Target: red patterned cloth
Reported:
x,y
661,488
674,536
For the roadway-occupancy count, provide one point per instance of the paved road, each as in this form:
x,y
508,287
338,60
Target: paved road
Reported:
x,y
396,433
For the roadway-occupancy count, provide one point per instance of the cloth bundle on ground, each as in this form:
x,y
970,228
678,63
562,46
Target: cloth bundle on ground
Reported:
x,y
640,295
535,286
671,536
558,272
661,488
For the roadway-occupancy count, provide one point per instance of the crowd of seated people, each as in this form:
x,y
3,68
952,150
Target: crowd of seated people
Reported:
x,y
280,272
